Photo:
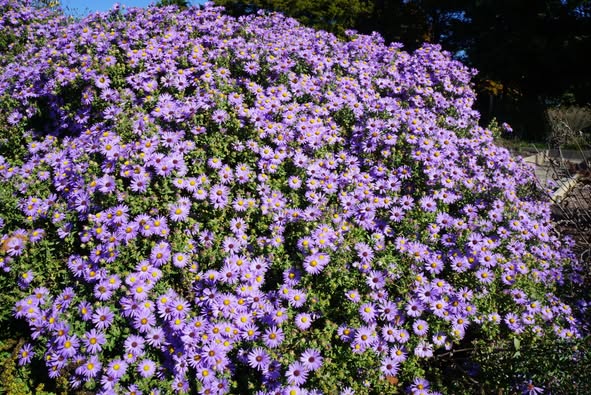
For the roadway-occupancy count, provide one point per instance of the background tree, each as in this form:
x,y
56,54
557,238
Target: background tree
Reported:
x,y
178,3
536,51
334,16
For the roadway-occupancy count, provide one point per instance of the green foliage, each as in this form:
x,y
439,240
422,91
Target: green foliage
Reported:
x,y
178,3
564,367
334,16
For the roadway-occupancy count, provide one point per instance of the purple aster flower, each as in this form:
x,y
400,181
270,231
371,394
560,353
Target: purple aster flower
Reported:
x,y
160,254
218,196
353,295
90,368
272,372
139,290
85,309
205,375
106,184
179,212
250,332
311,359
94,340
396,214
388,311
529,388
315,263
180,307
296,298
36,235
279,316
14,117
146,368
232,245
69,346
368,312
439,339
226,174
414,308
389,333
419,384
375,279
238,226
25,279
398,353
273,337
219,116
144,321
364,252
130,307
296,374
102,81
258,359
215,163
485,276
243,174
294,182
102,317
14,246
25,354
155,337
134,345
428,204
102,291
214,353
365,336
251,68
140,183
420,327
389,366
402,336
303,321
513,322
424,350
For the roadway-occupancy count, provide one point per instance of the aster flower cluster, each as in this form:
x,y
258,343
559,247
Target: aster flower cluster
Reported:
x,y
224,205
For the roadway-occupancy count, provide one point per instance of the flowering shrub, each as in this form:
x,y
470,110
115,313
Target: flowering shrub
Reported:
x,y
193,202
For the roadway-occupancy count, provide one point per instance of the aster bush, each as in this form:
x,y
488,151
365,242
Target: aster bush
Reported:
x,y
196,203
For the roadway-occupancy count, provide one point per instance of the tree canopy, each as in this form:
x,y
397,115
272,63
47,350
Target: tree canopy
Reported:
x,y
331,15
178,3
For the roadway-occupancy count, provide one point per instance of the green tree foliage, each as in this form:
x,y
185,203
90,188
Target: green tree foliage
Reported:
x,y
178,3
539,52
411,22
332,15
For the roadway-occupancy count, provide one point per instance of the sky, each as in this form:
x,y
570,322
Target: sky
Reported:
x,y
84,7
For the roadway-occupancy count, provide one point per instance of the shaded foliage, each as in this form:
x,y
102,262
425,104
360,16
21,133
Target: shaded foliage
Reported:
x,y
334,16
178,3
